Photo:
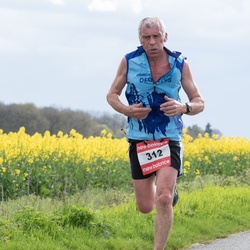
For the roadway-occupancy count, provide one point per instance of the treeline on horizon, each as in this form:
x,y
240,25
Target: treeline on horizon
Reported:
x,y
34,119
39,120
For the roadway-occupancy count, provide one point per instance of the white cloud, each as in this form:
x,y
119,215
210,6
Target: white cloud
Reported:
x,y
103,5
137,6
10,47
58,2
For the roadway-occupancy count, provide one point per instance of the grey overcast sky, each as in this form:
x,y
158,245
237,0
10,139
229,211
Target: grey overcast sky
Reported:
x,y
65,53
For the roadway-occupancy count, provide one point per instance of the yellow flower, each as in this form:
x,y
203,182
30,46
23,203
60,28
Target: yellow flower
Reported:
x,y
60,134
4,169
18,171
21,130
184,131
87,169
206,135
206,158
104,132
216,136
197,171
25,175
1,160
236,158
109,135
186,164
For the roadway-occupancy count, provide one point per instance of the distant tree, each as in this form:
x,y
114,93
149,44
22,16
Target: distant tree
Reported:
x,y
14,116
211,131
82,122
53,117
194,131
208,129
217,132
116,122
65,120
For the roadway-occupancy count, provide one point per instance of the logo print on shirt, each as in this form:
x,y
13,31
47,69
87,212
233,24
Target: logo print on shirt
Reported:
x,y
156,120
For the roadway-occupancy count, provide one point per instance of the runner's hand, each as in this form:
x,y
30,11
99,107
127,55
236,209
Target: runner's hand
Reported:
x,y
172,107
137,111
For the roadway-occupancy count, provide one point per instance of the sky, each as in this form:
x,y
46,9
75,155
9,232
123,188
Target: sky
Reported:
x,y
65,53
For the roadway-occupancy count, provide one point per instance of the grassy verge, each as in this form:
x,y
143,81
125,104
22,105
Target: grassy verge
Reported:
x,y
98,219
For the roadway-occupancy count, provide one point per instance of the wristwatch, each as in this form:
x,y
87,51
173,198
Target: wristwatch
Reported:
x,y
189,108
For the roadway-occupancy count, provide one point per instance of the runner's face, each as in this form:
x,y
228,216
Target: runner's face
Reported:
x,y
152,39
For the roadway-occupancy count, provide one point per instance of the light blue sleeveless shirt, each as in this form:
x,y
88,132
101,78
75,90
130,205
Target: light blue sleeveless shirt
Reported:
x,y
141,88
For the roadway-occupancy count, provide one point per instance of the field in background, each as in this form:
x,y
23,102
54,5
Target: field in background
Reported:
x,y
58,165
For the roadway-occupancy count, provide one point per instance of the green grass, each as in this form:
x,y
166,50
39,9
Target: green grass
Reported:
x,y
109,219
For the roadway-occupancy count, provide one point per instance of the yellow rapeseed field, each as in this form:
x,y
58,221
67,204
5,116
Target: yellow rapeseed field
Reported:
x,y
69,162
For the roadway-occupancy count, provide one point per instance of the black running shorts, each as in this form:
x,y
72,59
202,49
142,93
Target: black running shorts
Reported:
x,y
176,152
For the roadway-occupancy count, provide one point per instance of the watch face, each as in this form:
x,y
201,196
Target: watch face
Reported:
x,y
189,108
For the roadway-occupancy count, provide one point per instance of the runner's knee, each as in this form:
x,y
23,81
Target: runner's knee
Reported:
x,y
164,199
145,208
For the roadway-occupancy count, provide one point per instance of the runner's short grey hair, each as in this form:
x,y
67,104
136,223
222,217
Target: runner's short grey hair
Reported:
x,y
149,22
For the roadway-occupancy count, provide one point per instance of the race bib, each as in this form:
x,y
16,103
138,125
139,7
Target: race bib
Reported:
x,y
153,155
